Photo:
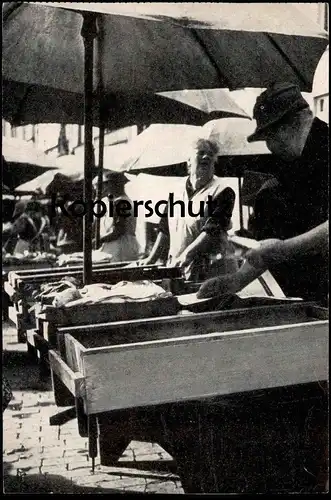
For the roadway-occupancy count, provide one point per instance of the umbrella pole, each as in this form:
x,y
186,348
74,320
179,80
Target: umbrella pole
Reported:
x,y
101,126
100,176
88,33
241,215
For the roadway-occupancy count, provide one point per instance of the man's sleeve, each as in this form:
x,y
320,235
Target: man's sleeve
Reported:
x,y
271,216
164,223
220,219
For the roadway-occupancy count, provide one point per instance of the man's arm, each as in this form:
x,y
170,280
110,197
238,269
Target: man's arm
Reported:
x,y
215,229
272,252
160,242
157,250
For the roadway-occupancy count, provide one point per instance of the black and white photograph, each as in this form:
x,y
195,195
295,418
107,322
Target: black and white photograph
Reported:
x,y
165,248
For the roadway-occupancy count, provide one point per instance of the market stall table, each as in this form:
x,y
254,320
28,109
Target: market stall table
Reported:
x,y
228,393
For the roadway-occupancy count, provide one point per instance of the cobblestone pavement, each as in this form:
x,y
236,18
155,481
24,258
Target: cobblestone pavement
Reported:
x,y
39,458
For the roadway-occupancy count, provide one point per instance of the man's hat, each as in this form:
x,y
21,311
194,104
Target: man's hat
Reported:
x,y
274,105
111,176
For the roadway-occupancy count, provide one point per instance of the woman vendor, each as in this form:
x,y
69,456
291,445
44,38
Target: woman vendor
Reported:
x,y
118,224
195,239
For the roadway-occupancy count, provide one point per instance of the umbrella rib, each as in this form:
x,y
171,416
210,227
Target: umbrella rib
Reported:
x,y
211,59
287,59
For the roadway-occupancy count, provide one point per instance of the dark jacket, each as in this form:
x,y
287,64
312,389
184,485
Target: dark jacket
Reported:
x,y
293,204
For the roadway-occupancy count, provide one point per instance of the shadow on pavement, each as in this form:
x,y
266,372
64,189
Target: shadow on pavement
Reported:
x,y
50,483
163,466
23,373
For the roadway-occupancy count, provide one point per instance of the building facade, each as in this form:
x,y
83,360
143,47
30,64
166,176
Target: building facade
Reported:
x,y
320,93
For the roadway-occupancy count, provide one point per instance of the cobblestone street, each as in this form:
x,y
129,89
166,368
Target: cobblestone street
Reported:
x,y
39,458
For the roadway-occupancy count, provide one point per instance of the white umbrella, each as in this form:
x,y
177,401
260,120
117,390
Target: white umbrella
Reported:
x,y
70,170
23,152
231,135
158,145
161,145
21,161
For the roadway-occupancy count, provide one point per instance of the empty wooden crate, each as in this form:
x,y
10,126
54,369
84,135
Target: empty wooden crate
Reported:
x,y
136,363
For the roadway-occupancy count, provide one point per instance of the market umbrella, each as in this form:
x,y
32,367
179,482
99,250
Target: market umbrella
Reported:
x,y
157,146
162,145
279,43
42,46
21,161
121,110
67,179
151,47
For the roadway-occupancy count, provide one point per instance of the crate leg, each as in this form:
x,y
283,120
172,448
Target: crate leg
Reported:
x,y
42,347
81,418
44,369
92,438
21,331
32,352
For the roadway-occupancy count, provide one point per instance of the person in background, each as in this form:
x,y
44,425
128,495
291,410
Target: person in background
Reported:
x,y
69,233
117,227
29,224
192,240
295,201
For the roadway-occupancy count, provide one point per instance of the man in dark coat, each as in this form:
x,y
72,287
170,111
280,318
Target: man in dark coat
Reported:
x,y
296,201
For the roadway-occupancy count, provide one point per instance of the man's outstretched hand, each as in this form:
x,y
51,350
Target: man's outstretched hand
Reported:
x,y
222,285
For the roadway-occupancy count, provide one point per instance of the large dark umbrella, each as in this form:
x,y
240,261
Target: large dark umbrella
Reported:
x,y
153,48
26,104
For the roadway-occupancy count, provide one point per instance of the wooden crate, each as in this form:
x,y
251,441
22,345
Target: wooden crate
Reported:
x,y
103,274
139,363
16,288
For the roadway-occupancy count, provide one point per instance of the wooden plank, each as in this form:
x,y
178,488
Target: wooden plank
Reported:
x,y
110,275
9,289
73,353
68,269
316,311
73,381
172,330
150,373
83,314
198,323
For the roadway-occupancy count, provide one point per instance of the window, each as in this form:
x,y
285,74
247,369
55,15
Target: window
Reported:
x,y
321,105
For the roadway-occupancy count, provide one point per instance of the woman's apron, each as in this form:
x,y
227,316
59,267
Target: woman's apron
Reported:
x,y
126,247
185,229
